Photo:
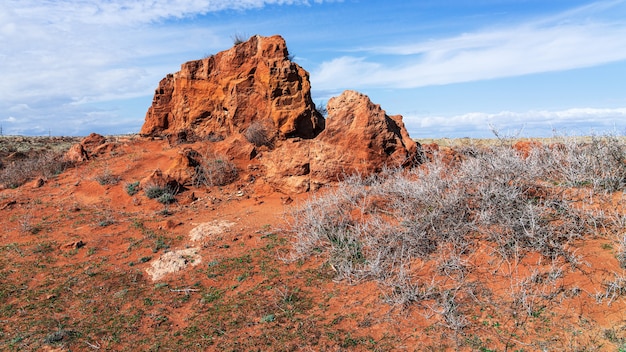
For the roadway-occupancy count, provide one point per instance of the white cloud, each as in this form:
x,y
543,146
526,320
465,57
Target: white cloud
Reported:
x,y
531,123
64,12
86,50
59,55
584,37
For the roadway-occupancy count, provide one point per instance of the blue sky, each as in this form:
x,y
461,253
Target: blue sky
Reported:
x,y
452,68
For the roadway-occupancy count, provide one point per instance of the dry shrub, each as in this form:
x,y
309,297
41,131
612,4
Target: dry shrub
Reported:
x,y
259,133
214,170
44,164
600,163
431,206
165,194
440,214
107,177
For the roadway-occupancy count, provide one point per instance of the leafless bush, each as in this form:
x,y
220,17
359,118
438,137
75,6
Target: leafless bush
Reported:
x,y
259,134
600,163
214,170
448,306
45,164
434,236
613,290
514,208
320,107
107,177
382,226
27,224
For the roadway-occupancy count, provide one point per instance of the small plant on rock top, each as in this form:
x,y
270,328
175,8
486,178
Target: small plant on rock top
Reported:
x,y
238,38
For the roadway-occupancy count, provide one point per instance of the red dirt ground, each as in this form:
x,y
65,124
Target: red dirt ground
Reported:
x,y
74,255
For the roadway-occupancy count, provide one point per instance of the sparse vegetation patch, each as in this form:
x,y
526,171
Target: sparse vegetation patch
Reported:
x,y
163,194
132,188
46,164
446,235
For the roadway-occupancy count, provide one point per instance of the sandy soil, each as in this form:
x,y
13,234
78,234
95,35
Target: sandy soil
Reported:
x,y
85,266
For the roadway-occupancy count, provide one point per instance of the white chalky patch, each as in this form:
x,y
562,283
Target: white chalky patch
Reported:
x,y
173,261
209,229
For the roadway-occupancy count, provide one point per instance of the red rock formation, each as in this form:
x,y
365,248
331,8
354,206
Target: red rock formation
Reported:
x,y
288,166
93,141
526,147
90,146
76,154
184,166
359,138
252,102
224,93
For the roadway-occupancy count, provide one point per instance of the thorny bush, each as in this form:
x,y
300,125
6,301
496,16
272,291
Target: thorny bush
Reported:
x,y
393,226
214,170
45,164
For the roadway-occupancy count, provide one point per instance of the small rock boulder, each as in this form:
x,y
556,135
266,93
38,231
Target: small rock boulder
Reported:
x,y
76,154
93,141
359,138
90,146
184,167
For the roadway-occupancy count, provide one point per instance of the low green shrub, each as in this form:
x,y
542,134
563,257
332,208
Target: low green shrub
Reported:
x,y
132,188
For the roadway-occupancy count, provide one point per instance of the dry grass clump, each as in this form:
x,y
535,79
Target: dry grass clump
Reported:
x,y
107,177
441,235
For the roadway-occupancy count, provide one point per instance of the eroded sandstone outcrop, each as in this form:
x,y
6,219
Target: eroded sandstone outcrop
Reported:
x,y
89,147
359,138
254,105
224,93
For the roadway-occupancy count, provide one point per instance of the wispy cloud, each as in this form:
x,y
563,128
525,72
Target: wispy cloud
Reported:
x,y
531,123
58,55
131,12
583,37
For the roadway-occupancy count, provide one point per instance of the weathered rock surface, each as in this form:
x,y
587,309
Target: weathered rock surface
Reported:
x,y
359,138
90,146
252,102
183,169
159,179
224,93
76,154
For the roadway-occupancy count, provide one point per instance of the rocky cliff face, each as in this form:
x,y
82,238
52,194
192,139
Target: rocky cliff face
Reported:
x,y
224,93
